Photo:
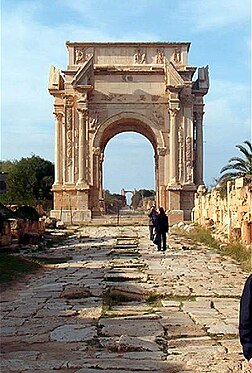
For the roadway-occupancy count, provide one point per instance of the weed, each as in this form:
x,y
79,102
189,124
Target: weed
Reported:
x,y
238,252
154,299
235,249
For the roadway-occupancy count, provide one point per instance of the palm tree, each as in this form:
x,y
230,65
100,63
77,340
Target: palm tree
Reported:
x,y
237,166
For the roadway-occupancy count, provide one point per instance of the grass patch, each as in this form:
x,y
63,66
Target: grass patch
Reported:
x,y
236,250
204,236
14,267
154,299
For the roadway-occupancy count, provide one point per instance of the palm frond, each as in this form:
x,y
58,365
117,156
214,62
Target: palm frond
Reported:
x,y
248,143
247,154
234,166
238,159
229,176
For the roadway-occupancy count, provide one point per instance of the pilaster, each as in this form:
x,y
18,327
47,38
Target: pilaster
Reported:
x,y
82,148
57,149
173,146
198,119
69,149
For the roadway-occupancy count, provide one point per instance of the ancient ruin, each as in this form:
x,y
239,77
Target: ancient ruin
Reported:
x,y
109,88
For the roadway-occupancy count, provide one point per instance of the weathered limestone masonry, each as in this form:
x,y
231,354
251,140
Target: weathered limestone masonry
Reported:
x,y
232,214
109,88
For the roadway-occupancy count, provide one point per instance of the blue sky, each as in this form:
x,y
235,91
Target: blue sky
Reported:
x,y
34,33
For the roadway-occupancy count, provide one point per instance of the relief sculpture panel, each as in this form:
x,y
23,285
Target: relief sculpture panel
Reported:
x,y
189,160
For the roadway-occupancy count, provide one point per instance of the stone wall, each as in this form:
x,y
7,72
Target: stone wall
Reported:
x,y
230,214
21,231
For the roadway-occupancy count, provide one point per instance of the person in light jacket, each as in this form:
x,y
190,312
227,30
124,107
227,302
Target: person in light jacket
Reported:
x,y
245,320
161,228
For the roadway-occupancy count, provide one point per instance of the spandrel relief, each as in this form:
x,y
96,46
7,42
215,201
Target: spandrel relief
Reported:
x,y
93,119
158,116
140,56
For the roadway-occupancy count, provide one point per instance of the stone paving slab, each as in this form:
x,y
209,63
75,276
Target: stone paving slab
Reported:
x,y
186,319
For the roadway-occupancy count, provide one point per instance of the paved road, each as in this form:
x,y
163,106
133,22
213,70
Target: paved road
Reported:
x,y
112,304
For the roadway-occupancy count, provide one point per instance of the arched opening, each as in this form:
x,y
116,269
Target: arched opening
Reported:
x,y
129,168
129,164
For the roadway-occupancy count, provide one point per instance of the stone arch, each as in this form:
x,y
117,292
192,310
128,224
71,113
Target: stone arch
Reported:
x,y
110,88
116,124
127,122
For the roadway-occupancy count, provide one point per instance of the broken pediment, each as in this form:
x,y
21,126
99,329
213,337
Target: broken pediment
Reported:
x,y
173,79
202,83
55,81
85,75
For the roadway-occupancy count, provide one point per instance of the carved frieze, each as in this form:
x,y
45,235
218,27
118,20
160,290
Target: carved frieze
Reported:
x,y
82,55
177,56
140,56
159,58
69,120
180,152
188,159
69,101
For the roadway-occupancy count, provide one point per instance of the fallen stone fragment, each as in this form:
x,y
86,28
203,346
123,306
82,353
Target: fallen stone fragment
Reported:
x,y
73,333
127,344
75,292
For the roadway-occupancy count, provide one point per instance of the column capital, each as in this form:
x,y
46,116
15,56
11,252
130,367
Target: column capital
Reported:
x,y
198,116
69,100
97,151
58,115
82,111
173,111
162,150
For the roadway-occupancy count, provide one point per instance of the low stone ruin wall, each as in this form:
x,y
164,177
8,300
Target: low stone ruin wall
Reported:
x,y
230,214
21,231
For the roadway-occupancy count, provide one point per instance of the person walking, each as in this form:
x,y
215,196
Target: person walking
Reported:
x,y
245,321
152,220
161,228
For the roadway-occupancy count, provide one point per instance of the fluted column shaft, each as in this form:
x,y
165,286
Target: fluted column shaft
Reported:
x,y
82,154
173,146
198,117
57,148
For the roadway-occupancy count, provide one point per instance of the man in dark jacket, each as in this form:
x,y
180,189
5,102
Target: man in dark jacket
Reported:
x,y
245,322
161,228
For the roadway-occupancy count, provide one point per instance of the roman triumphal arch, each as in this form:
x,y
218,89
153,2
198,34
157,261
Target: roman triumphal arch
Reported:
x,y
109,88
